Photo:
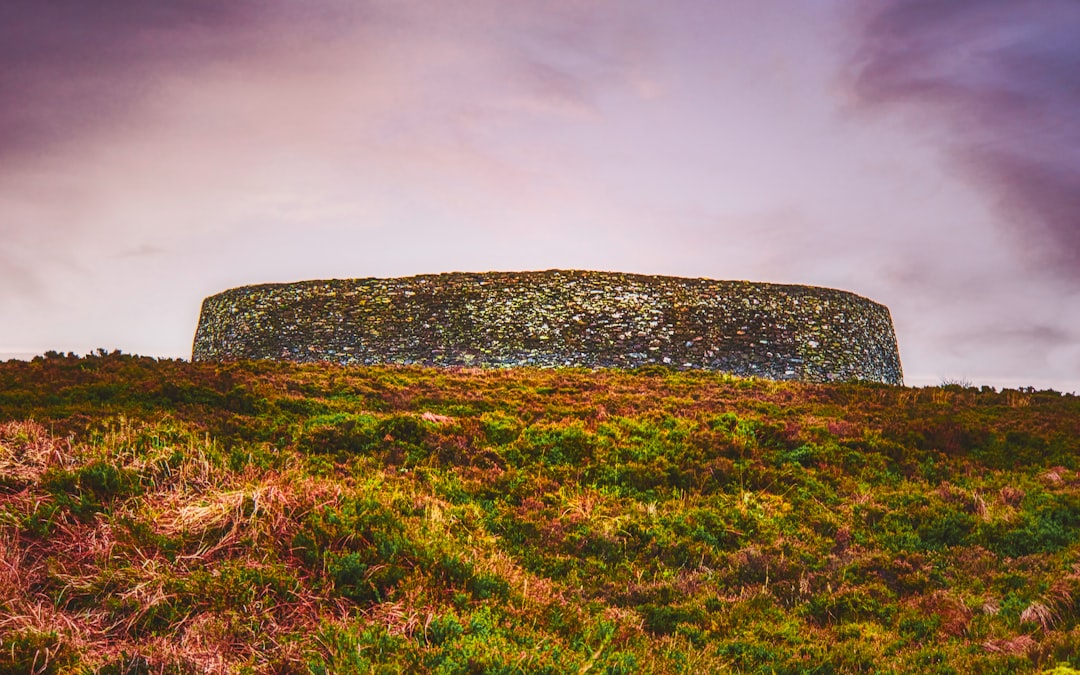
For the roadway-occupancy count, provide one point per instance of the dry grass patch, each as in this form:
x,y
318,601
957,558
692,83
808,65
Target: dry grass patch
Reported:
x,y
27,450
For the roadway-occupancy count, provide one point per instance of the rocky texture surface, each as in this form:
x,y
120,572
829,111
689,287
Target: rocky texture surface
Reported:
x,y
557,318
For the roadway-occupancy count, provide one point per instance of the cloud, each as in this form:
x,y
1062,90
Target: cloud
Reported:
x,y
73,70
70,66
126,126
1000,78
1038,338
17,279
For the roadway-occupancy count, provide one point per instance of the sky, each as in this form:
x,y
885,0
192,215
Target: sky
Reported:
x,y
923,153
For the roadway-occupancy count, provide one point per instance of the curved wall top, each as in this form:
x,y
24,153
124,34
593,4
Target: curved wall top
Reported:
x,y
557,318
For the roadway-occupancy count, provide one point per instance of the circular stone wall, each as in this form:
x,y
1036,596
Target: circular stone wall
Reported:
x,y
557,318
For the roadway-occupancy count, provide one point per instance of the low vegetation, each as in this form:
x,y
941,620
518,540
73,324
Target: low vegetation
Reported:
x,y
169,517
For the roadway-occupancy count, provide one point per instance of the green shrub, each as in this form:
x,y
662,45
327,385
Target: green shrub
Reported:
x,y
667,619
856,604
341,435
556,445
499,429
355,578
443,629
35,653
1049,522
89,489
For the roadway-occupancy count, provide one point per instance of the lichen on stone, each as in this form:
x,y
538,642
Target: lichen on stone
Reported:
x,y
557,318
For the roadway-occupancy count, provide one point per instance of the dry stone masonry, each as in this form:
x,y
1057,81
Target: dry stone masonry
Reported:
x,y
557,318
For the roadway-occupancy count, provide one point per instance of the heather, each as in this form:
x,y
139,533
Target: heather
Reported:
x,y
169,517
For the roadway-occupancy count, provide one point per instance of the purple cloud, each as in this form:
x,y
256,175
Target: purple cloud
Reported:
x,y
71,67
1003,78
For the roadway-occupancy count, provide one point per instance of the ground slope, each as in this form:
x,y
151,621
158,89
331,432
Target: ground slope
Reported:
x,y
265,517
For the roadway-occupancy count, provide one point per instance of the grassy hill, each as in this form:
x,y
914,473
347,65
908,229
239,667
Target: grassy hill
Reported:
x,y
168,517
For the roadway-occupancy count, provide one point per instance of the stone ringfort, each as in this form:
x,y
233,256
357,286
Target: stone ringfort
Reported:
x,y
557,318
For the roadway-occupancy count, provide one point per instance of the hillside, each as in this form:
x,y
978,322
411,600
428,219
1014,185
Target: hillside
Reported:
x,y
169,517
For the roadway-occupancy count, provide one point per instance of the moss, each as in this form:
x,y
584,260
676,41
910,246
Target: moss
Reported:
x,y
39,653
